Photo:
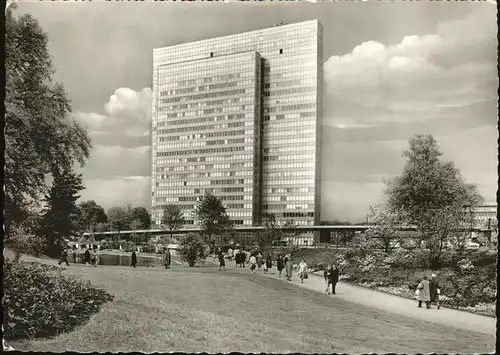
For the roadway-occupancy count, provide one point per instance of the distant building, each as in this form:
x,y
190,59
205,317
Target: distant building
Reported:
x,y
486,219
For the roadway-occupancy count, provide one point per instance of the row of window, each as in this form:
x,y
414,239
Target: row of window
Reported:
x,y
290,116
232,117
268,101
205,143
203,159
214,126
291,91
279,206
289,157
277,150
288,189
204,175
208,95
307,164
225,85
274,182
290,124
193,72
207,135
307,198
288,173
204,166
197,191
203,183
226,108
293,132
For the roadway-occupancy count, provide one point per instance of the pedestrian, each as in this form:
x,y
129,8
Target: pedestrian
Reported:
x,y
253,262
332,278
133,259
302,273
244,257
230,254
259,260
423,293
87,255
434,290
269,262
237,258
168,259
222,262
288,267
64,257
94,256
280,264
74,253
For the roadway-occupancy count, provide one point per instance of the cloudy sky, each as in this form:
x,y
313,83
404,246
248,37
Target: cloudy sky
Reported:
x,y
391,70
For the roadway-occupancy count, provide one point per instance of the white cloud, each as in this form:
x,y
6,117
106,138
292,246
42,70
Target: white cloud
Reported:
x,y
126,102
127,113
455,65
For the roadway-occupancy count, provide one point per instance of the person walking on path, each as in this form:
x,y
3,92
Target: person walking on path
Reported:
x,y
434,291
87,256
269,262
302,273
259,260
64,257
94,256
331,278
237,257
253,262
280,264
230,254
288,267
168,259
134,260
74,253
222,262
423,293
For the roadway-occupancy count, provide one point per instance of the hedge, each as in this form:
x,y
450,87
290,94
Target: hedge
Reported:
x,y
40,301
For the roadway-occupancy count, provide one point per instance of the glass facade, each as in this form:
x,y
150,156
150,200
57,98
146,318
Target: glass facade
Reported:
x,y
240,116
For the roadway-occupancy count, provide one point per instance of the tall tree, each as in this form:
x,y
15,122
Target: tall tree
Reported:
x,y
60,213
118,218
141,215
212,216
272,232
90,214
40,136
431,194
172,218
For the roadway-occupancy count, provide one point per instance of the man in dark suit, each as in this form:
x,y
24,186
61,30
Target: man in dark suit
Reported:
x,y
434,290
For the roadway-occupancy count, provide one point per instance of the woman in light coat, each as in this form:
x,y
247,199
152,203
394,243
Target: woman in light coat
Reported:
x,y
302,270
423,293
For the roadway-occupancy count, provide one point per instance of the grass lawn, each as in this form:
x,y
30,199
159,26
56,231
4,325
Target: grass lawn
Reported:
x,y
204,310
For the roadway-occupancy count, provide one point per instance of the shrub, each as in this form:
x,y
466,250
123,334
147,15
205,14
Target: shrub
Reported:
x,y
22,241
192,249
40,301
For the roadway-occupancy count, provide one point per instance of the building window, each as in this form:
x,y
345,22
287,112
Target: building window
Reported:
x,y
211,54
281,50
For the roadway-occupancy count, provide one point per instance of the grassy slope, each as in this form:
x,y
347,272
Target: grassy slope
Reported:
x,y
201,309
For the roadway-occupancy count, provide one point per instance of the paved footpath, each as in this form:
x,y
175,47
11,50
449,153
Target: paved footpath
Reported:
x,y
394,304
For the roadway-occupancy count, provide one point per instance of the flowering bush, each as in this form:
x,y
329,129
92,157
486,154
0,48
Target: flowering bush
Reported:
x,y
368,263
22,241
465,265
39,301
